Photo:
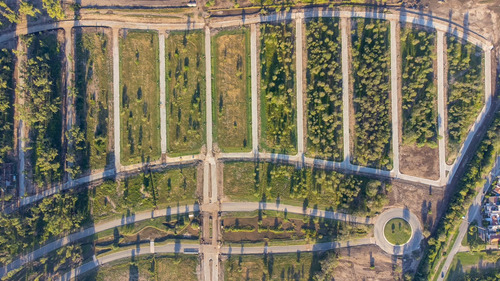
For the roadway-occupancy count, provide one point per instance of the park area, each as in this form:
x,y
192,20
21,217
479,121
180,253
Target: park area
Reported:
x,y
232,99
307,187
185,71
91,136
371,127
140,97
278,109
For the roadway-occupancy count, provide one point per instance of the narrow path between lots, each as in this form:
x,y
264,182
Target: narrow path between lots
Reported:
x,y
254,85
394,97
116,98
441,104
345,89
300,89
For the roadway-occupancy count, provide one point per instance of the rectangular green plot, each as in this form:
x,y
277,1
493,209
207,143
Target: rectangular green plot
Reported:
x,y
94,94
465,96
7,99
278,121
139,97
419,93
231,95
43,92
307,187
324,90
371,99
186,115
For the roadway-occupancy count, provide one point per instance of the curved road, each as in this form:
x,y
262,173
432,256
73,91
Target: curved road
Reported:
x,y
38,253
414,222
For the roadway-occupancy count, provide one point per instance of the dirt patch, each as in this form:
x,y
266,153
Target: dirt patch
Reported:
x,y
419,161
426,202
366,263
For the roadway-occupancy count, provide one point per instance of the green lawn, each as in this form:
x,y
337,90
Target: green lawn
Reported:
x,y
397,231
140,97
296,266
148,267
93,83
231,94
186,115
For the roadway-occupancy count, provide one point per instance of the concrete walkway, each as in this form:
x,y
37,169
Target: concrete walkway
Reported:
x,y
394,97
300,88
116,98
345,89
261,250
253,206
38,253
441,103
254,85
163,110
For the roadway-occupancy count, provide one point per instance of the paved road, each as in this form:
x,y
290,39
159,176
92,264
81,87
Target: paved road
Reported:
x,y
92,230
394,97
345,88
163,110
249,250
164,249
255,96
472,214
441,106
253,206
300,90
414,222
116,98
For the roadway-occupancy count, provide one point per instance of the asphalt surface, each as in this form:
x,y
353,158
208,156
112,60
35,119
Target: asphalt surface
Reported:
x,y
441,105
414,242
394,98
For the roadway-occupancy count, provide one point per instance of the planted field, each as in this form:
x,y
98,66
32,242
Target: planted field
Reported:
x,y
418,149
186,92
465,92
42,91
278,99
93,102
296,266
271,227
324,89
267,182
63,213
140,97
418,89
149,267
371,101
232,119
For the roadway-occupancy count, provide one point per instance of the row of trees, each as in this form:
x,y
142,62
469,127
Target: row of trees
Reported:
x,y
315,187
6,104
481,164
53,8
277,56
41,112
418,90
372,141
465,92
324,89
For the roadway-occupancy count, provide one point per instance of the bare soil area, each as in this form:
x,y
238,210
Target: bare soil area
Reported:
x,y
426,202
366,263
419,161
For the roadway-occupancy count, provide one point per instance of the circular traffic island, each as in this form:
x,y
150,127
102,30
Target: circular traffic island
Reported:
x,y
397,231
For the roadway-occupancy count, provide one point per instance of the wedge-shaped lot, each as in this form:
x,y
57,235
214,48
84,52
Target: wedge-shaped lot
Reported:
x,y
63,213
140,97
42,75
465,96
278,116
371,99
94,96
186,113
419,149
231,68
324,89
307,187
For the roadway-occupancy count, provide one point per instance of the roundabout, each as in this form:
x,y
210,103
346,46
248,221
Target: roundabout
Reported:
x,y
398,231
